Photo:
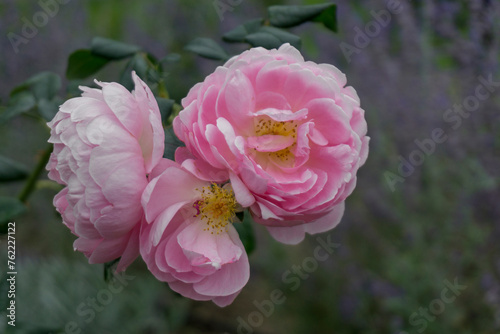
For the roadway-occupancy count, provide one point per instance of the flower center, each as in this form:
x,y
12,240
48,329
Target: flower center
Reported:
x,y
285,129
216,207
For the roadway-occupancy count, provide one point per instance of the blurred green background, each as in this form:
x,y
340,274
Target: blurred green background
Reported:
x,y
397,246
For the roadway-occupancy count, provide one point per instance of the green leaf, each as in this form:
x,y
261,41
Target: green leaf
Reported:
x,y
20,103
10,207
166,107
112,49
126,75
11,170
328,18
48,109
138,64
291,16
283,36
153,75
207,48
73,87
48,184
83,63
44,85
246,233
272,38
263,39
239,33
171,58
39,90
171,143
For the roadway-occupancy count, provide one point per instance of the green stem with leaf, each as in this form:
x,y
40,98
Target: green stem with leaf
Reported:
x,y
35,174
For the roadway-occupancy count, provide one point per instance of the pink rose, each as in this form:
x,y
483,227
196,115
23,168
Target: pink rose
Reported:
x,y
105,144
287,133
189,240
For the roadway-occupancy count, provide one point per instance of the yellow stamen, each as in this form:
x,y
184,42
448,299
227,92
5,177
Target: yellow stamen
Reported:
x,y
216,207
272,127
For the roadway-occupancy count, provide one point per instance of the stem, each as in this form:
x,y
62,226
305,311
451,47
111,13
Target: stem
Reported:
x,y
176,110
31,182
162,90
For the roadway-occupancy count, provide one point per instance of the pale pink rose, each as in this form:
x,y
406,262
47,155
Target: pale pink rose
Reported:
x,y
105,144
189,240
288,134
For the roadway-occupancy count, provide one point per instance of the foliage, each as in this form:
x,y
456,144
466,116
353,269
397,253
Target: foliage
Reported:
x,y
396,247
39,92
268,32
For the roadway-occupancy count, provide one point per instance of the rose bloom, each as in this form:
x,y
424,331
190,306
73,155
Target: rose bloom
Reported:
x,y
189,240
105,144
288,133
